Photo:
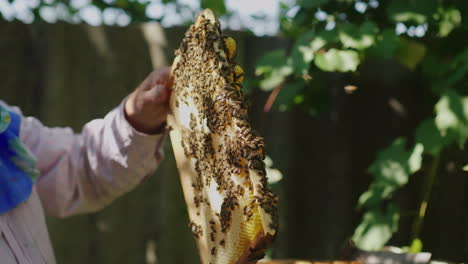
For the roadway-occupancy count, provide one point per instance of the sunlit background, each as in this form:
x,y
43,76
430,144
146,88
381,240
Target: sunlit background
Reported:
x,y
259,16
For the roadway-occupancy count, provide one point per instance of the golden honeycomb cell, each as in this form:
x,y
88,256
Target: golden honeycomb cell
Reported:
x,y
231,46
238,74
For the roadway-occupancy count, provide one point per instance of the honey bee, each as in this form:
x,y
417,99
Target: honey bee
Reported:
x,y
213,251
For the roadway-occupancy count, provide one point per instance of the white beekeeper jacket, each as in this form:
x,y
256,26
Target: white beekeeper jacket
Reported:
x,y
79,173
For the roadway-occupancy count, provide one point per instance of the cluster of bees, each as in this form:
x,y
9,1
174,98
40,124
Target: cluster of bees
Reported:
x,y
196,230
219,138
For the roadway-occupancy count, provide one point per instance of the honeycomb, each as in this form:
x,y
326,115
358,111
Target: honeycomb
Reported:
x,y
232,211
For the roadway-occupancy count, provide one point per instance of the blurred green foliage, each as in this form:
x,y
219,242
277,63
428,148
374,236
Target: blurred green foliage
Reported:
x,y
218,6
135,9
338,36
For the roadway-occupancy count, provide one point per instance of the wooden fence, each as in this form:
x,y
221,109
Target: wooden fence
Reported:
x,y
68,74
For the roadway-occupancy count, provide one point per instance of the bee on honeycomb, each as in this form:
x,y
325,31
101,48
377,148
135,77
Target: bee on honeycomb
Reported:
x,y
220,159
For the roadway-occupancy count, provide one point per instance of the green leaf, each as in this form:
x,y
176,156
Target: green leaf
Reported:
x,y
289,92
452,117
450,19
410,53
415,11
429,136
362,37
465,168
303,51
101,5
248,85
218,6
416,246
415,158
377,192
448,76
312,3
301,18
391,170
122,3
270,61
337,60
458,69
386,45
275,67
393,163
376,228
406,16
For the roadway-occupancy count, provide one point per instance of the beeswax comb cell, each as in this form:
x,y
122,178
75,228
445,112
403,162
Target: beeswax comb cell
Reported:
x,y
220,159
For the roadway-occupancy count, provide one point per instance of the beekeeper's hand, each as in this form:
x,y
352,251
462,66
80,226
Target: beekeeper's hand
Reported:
x,y
147,107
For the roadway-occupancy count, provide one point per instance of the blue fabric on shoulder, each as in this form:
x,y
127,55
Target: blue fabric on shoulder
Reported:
x,y
17,165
